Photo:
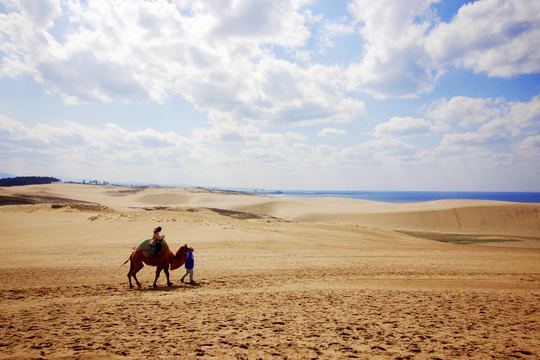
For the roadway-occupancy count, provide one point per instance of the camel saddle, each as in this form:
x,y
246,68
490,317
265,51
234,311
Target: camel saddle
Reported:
x,y
148,250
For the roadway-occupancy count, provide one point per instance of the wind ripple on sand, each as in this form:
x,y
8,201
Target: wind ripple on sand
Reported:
x,y
220,323
268,289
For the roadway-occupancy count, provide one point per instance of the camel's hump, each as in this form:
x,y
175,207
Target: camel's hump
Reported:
x,y
144,246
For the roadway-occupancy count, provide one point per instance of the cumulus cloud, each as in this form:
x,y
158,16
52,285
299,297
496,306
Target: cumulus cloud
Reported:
x,y
478,138
291,95
496,122
408,127
119,82
75,142
232,132
326,150
331,132
42,13
265,155
529,147
331,29
496,37
496,133
466,110
394,63
235,61
213,53
406,48
385,147
524,114
492,114
220,55
295,136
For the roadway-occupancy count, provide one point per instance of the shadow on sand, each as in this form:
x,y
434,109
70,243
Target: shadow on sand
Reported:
x,y
165,288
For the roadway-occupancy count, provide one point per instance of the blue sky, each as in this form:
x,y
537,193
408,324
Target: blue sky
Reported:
x,y
275,94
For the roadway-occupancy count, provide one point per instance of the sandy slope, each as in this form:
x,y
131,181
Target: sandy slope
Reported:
x,y
324,278
453,216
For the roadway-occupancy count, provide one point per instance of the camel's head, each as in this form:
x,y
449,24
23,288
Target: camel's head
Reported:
x,y
183,249
182,253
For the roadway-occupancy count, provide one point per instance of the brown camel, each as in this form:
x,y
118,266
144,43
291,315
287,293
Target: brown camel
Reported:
x,y
162,262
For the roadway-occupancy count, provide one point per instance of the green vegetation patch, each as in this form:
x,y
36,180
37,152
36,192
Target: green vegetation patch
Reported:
x,y
457,238
27,180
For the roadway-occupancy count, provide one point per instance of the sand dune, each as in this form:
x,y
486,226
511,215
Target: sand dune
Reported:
x,y
276,279
453,216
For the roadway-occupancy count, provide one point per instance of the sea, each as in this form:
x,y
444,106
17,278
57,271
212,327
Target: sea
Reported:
x,y
408,196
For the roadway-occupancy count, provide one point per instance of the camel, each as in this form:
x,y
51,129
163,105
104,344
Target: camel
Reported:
x,y
162,262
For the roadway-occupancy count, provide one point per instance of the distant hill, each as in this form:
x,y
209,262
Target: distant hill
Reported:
x,y
5,175
28,180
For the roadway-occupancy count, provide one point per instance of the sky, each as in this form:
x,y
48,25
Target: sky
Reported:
x,y
387,95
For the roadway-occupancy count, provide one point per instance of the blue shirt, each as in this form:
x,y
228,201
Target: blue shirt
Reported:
x,y
190,261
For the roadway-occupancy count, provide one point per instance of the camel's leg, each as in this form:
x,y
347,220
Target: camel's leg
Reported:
x,y
158,271
131,266
166,270
135,277
133,270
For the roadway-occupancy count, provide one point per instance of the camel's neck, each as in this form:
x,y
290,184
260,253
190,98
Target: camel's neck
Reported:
x,y
178,260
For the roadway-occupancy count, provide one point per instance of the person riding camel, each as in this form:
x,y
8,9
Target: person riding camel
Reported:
x,y
157,241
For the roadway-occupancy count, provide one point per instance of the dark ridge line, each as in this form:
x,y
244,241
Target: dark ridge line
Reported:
x,y
243,215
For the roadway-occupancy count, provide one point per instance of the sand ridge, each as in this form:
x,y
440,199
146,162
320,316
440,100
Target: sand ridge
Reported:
x,y
454,216
268,287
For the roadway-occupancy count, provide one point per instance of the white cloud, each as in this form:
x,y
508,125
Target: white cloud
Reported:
x,y
265,155
330,30
213,53
465,110
76,143
220,55
408,127
381,148
326,150
497,136
525,114
42,13
497,121
472,139
231,132
302,55
302,148
477,161
394,63
267,21
118,82
295,136
14,131
235,62
404,55
495,115
283,94
529,146
331,132
492,36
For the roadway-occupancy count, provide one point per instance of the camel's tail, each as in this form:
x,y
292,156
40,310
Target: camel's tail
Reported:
x,y
135,248
126,261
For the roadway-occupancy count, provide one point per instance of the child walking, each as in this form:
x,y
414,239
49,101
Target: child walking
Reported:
x,y
190,262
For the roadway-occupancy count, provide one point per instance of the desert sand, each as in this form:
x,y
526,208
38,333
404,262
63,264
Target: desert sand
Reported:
x,y
276,278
